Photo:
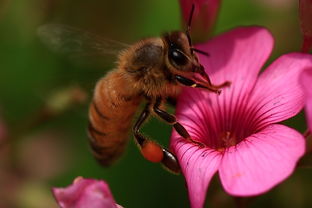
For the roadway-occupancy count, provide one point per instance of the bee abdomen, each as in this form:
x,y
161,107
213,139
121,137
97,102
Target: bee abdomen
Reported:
x,y
107,144
110,118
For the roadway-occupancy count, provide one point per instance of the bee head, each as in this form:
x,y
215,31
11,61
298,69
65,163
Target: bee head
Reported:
x,y
180,55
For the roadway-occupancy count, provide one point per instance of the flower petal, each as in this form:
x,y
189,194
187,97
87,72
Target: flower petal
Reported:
x,y
191,112
198,166
237,56
85,193
278,94
306,80
261,161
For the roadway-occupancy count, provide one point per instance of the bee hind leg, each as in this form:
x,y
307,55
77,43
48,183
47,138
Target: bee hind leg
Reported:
x,y
151,150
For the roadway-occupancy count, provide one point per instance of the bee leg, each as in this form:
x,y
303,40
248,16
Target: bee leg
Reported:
x,y
151,150
171,119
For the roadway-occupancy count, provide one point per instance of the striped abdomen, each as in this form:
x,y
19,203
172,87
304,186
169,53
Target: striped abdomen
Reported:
x,y
110,117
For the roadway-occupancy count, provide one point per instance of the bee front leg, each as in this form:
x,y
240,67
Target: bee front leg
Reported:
x,y
171,119
199,84
151,150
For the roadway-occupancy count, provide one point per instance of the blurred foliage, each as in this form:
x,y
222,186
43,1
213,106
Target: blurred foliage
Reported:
x,y
43,150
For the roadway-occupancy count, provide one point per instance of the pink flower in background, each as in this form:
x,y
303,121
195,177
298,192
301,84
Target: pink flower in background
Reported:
x,y
305,12
204,17
238,127
306,80
85,193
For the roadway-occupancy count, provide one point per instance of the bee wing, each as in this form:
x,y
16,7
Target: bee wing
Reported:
x,y
76,43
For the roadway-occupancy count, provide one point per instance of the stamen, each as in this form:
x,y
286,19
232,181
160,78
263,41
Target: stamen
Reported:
x,y
228,139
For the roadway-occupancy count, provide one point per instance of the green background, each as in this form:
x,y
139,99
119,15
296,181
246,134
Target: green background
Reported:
x,y
31,77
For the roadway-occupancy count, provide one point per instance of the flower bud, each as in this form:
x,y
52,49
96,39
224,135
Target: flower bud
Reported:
x,y
305,12
85,193
204,16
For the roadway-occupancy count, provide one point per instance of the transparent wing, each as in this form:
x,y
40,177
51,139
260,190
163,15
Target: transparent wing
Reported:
x,y
77,44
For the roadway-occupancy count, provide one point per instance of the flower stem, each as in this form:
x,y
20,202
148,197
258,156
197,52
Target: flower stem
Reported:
x,y
307,133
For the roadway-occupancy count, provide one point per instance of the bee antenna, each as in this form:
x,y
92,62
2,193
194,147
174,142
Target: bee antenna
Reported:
x,y
188,29
200,51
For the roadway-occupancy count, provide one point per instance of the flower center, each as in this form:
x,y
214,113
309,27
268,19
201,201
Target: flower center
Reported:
x,y
232,128
228,139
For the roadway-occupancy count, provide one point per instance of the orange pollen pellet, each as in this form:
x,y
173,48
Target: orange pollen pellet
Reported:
x,y
152,151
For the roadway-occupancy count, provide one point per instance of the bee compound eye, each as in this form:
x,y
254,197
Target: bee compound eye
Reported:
x,y
177,57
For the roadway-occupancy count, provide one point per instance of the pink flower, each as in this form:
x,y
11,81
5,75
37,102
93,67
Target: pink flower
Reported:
x,y
305,10
306,80
85,193
204,16
241,140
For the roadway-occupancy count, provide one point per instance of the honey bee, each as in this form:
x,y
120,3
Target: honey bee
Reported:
x,y
150,70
